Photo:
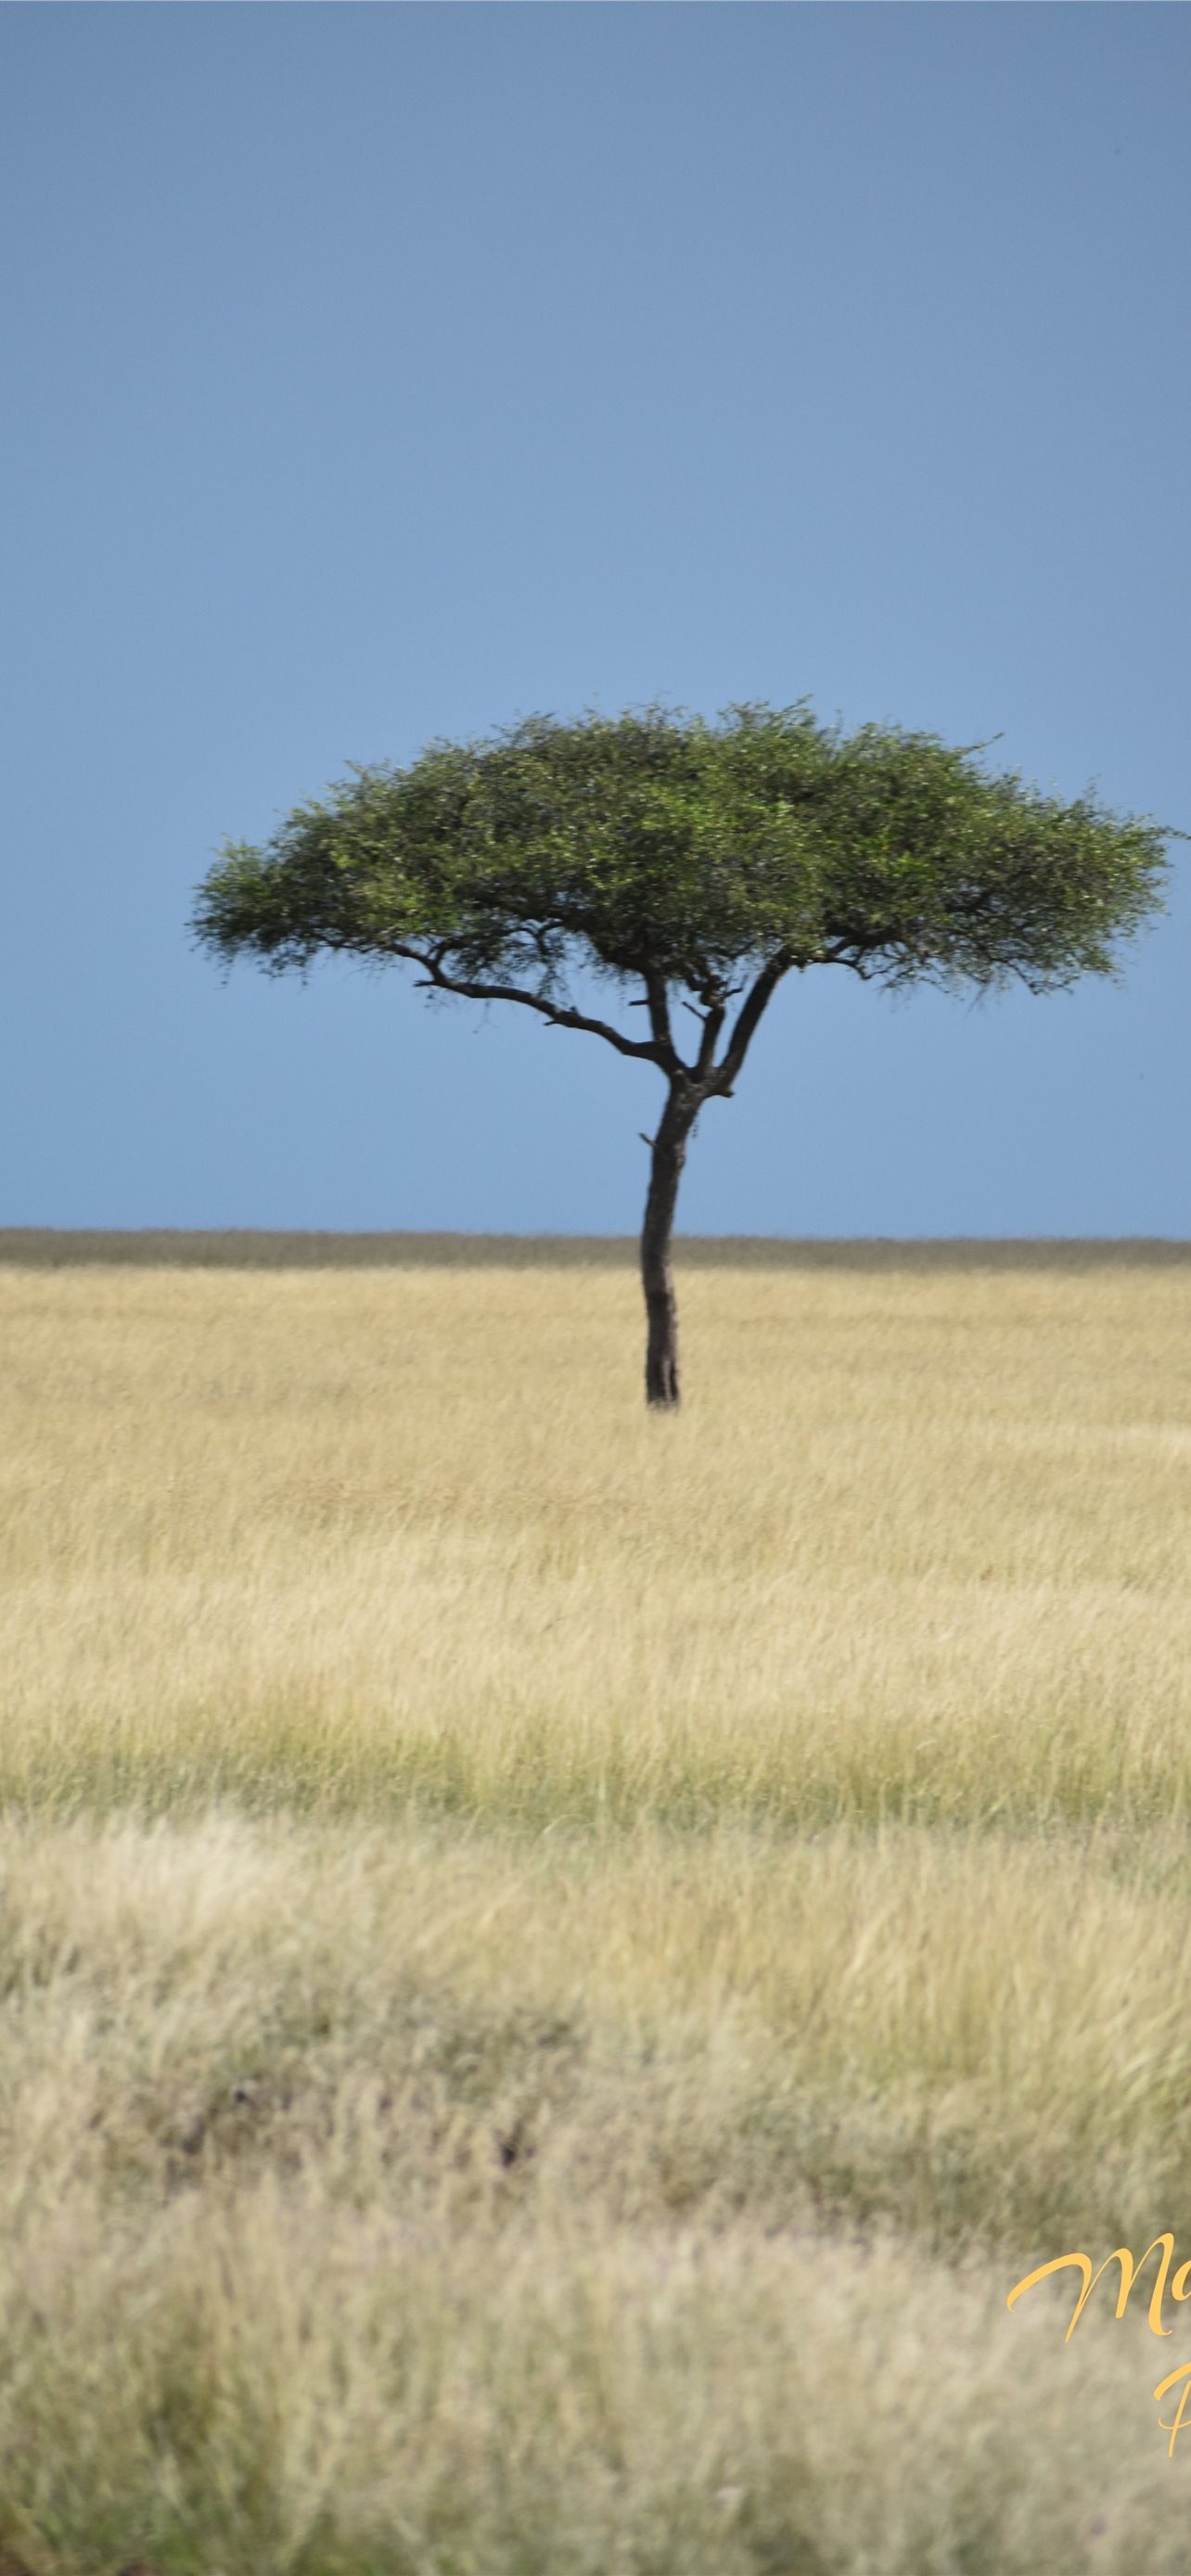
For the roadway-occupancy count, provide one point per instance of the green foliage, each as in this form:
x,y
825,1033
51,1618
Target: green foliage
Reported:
x,y
662,847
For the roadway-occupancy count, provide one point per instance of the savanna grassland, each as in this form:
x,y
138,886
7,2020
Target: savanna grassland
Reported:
x,y
557,1965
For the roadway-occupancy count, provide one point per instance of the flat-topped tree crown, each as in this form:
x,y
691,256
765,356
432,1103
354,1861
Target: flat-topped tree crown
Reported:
x,y
695,864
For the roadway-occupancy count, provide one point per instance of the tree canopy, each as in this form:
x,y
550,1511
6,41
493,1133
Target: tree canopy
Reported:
x,y
698,862
646,845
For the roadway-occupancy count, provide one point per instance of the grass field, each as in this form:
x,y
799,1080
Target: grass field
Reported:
x,y
558,1965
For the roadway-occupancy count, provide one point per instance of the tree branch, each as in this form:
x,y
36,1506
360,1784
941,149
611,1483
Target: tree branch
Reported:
x,y
664,1050
747,1020
712,1025
556,1014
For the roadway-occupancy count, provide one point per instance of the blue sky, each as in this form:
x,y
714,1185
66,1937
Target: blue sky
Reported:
x,y
381,372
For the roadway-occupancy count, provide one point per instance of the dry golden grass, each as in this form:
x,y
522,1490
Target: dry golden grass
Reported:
x,y
917,1547
557,1966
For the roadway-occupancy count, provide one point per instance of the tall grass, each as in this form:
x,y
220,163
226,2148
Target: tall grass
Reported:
x,y
555,1967
917,1547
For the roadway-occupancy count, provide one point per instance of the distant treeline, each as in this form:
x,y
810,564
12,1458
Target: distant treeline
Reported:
x,y
234,1248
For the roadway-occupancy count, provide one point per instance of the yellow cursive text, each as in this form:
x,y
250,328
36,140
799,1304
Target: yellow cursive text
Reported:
x,y
1180,2287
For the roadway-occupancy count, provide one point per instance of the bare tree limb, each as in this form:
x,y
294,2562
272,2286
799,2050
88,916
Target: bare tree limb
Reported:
x,y
748,1019
712,1026
665,1052
557,1015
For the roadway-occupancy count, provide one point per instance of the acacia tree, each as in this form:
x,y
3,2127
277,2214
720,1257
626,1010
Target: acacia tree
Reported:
x,y
690,866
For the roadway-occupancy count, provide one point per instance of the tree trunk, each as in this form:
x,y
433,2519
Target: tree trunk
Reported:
x,y
662,1386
